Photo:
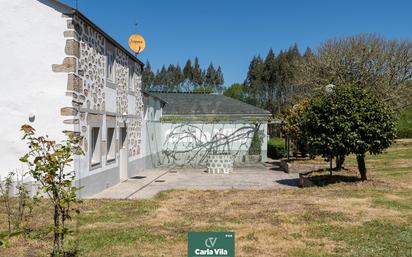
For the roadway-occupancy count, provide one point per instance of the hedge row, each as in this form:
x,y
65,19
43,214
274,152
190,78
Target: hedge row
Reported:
x,y
276,148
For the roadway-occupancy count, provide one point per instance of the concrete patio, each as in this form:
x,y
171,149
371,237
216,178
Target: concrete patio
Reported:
x,y
151,182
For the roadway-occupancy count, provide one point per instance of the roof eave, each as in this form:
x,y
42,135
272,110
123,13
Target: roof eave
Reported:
x,y
107,36
154,96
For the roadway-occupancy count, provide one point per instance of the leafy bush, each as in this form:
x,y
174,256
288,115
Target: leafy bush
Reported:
x,y
405,124
276,148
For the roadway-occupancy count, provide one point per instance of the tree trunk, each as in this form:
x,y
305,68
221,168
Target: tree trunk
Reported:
x,y
62,232
340,159
57,244
330,166
7,203
361,166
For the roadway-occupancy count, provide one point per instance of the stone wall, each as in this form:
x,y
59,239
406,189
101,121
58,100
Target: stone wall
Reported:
x,y
122,73
85,65
136,124
220,163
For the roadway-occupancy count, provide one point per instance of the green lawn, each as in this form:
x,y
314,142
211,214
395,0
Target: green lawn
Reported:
x,y
372,218
405,124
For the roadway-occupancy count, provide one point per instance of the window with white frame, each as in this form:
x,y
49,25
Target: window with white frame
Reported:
x,y
111,145
95,146
110,63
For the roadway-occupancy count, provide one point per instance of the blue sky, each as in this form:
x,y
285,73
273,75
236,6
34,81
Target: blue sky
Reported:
x,y
229,32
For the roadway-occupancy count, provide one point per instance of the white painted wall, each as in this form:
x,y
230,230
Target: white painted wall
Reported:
x,y
195,134
110,99
152,132
31,41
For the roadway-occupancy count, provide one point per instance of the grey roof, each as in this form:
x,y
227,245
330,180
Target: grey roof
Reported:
x,y
206,104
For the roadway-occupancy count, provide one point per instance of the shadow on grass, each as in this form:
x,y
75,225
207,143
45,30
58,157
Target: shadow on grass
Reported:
x,y
324,180
293,182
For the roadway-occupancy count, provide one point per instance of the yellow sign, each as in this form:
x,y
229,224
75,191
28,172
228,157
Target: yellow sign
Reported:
x,y
137,43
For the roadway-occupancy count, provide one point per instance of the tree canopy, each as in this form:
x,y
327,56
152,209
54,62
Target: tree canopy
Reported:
x,y
367,60
192,78
235,91
347,120
279,80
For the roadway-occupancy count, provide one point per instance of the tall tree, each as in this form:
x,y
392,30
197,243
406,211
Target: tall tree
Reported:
x,y
367,60
174,79
188,75
197,74
169,78
219,80
178,78
210,77
254,82
270,80
147,77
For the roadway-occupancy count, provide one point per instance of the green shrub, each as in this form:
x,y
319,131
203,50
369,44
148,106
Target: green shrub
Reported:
x,y
276,148
405,124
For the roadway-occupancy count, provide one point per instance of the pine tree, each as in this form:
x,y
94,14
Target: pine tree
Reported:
x,y
197,73
254,82
178,78
147,77
188,75
219,80
210,77
169,79
270,80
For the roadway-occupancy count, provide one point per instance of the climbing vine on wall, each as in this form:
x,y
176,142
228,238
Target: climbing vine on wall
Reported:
x,y
189,144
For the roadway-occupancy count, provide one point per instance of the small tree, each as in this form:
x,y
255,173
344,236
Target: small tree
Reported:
x,y
25,204
348,120
292,125
18,205
5,196
48,164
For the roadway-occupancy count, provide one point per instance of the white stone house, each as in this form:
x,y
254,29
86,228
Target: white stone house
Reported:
x,y
60,71
63,72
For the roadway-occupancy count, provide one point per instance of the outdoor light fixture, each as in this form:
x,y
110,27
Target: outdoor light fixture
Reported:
x,y
32,117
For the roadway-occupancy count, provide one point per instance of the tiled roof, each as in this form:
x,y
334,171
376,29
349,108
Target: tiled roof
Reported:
x,y
206,104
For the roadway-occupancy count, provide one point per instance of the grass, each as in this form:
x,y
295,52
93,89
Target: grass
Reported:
x,y
405,124
372,218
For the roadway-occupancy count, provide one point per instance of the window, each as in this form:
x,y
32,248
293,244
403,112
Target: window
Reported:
x,y
110,63
131,78
95,146
111,145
